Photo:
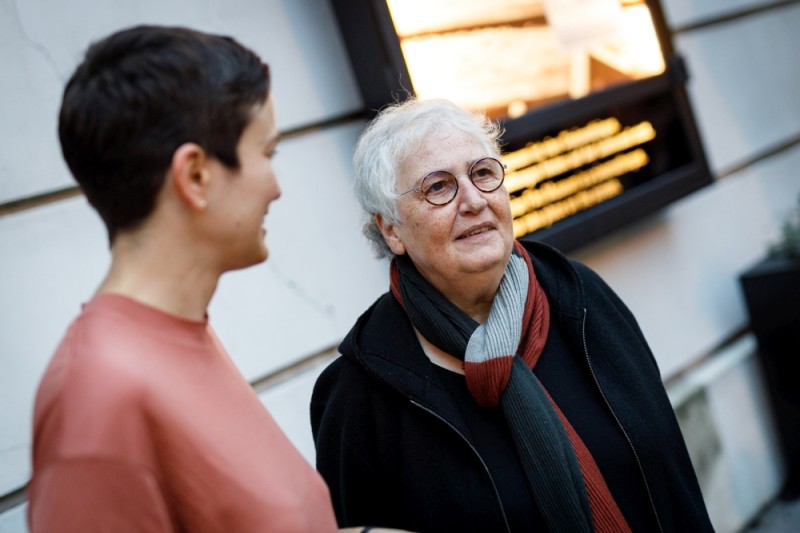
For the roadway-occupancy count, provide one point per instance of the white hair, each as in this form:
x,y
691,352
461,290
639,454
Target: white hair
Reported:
x,y
398,130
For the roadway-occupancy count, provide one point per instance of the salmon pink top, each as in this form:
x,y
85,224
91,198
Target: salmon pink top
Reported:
x,y
143,423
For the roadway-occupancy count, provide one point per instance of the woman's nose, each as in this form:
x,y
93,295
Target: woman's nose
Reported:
x,y
470,198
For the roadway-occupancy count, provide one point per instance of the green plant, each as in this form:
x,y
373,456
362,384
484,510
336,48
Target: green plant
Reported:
x,y
789,244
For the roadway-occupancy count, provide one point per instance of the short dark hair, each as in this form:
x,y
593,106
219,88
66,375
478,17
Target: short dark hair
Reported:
x,y
137,96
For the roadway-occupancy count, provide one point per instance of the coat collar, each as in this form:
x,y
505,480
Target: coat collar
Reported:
x,y
383,340
558,277
384,343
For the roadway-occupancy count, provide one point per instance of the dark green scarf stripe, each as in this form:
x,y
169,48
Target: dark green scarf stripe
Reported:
x,y
546,453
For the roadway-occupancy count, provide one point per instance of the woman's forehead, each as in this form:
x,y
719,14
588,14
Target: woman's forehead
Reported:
x,y
441,150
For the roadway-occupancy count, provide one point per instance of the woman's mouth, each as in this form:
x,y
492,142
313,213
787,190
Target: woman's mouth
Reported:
x,y
474,231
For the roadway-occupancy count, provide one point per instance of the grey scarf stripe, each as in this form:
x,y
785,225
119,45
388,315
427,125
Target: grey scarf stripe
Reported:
x,y
500,335
541,440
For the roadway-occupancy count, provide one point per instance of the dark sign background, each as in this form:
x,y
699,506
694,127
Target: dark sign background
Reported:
x,y
676,166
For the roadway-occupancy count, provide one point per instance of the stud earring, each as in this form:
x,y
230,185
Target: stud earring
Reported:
x,y
203,204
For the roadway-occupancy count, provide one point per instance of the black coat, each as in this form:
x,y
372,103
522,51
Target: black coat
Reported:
x,y
395,450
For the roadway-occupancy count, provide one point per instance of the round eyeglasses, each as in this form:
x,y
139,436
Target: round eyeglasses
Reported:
x,y
440,187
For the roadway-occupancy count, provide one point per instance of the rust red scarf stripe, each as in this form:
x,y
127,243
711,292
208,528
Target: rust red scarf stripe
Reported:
x,y
606,514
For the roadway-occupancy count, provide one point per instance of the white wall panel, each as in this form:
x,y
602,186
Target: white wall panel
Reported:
x,y
53,259
742,84
751,473
43,41
320,275
14,521
683,12
31,85
678,271
289,405
745,472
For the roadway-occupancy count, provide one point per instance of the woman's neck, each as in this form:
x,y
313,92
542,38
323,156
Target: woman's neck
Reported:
x,y
167,279
439,357
474,294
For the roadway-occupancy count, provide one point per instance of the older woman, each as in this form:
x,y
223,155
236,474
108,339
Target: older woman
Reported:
x,y
498,386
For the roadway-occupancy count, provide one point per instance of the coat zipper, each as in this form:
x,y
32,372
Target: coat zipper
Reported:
x,y
619,424
478,455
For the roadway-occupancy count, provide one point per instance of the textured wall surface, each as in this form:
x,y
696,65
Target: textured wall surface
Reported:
x,y
677,270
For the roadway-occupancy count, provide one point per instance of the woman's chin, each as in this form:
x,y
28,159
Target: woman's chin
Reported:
x,y
487,259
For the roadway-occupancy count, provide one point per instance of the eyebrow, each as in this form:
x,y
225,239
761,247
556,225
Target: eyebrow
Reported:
x,y
468,165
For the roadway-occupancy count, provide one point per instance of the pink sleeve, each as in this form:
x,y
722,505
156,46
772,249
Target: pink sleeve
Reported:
x,y
96,495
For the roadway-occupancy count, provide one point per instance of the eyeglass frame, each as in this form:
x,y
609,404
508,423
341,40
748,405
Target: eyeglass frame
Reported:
x,y
418,187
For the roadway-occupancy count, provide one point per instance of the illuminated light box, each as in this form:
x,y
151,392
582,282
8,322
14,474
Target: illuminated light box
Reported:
x,y
598,128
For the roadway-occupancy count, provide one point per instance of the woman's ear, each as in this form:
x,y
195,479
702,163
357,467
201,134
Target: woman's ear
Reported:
x,y
191,175
389,232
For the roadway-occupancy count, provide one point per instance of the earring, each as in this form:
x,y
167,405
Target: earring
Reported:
x,y
203,204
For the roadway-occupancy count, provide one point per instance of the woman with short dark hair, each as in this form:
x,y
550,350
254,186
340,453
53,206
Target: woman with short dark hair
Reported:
x,y
142,421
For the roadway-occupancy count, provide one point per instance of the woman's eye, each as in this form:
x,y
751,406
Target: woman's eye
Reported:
x,y
437,186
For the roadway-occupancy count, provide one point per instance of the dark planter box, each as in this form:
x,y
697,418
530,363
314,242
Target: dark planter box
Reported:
x,y
772,293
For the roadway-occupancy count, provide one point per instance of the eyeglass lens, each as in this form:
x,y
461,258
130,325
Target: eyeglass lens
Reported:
x,y
441,187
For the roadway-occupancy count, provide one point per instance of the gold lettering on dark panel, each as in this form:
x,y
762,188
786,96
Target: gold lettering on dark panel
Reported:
x,y
562,175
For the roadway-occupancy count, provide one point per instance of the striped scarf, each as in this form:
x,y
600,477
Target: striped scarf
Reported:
x,y
498,356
